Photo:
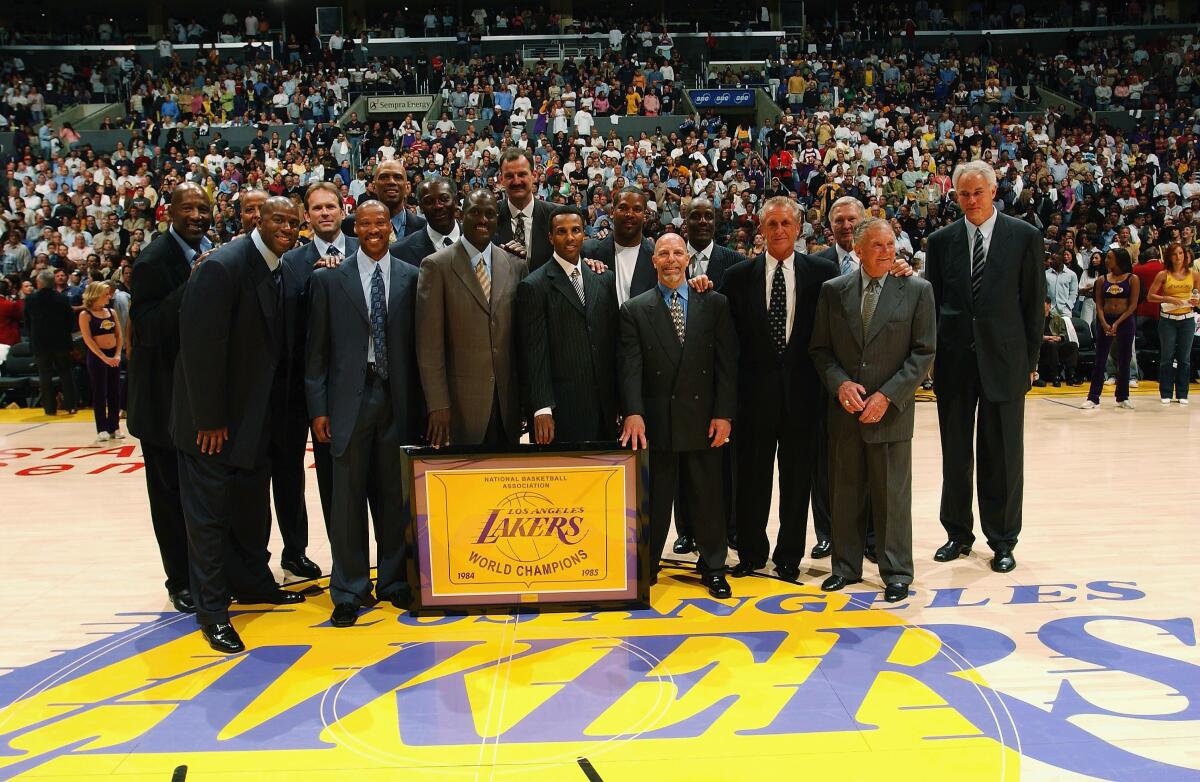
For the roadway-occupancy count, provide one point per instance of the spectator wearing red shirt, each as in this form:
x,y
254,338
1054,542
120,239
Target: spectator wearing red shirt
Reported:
x,y
782,166
1146,272
11,312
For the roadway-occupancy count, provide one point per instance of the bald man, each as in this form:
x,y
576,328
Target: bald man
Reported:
x,y
250,206
389,184
229,409
678,360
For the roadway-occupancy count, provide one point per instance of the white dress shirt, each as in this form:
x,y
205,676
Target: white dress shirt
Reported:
x,y
626,261
528,212
439,240
323,246
702,257
271,258
984,231
366,270
789,279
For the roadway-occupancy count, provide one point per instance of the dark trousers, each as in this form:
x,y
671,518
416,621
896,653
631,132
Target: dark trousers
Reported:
x,y
49,364
287,487
874,484
1175,356
1104,344
496,436
1000,449
758,443
684,503
166,513
371,458
1057,359
228,515
699,472
106,391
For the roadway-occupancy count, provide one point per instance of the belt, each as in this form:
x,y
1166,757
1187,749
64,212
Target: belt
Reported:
x,y
1188,316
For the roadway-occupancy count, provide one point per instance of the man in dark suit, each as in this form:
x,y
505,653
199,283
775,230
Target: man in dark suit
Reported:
x,y
988,277
466,334
523,225
323,211
873,341
626,251
389,184
158,282
231,400
567,330
364,393
51,323
678,394
773,300
706,259
438,198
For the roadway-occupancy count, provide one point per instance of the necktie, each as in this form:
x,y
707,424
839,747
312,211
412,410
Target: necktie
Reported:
x,y
485,282
277,276
333,251
677,315
777,312
379,323
577,281
870,301
847,263
978,261
446,241
519,233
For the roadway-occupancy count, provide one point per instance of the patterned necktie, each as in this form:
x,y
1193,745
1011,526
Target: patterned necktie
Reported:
x,y
577,281
333,251
446,241
485,282
379,322
777,312
519,233
695,267
847,263
870,301
978,261
677,315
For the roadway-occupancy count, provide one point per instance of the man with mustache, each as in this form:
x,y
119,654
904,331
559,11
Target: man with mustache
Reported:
x,y
523,225
230,400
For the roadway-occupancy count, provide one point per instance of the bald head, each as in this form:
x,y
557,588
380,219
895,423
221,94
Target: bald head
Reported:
x,y
671,260
251,208
190,212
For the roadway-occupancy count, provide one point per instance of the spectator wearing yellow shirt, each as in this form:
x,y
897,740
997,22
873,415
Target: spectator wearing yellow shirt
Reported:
x,y
796,85
633,102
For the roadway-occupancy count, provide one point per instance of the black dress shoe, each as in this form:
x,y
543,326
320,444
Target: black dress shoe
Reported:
x,y
301,566
402,599
1003,562
1039,384
869,553
718,587
183,601
836,583
894,593
222,638
344,615
823,549
743,569
278,598
684,545
952,550
788,572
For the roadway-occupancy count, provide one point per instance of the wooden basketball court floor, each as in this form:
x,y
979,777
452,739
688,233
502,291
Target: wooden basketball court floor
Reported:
x,y
1080,664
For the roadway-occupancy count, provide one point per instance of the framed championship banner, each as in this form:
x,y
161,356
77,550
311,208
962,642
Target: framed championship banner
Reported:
x,y
548,526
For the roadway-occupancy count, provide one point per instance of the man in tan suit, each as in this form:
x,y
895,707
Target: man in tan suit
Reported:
x,y
466,347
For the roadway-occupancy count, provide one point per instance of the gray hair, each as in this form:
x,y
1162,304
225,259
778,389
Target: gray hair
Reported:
x,y
847,201
868,224
974,167
45,279
778,202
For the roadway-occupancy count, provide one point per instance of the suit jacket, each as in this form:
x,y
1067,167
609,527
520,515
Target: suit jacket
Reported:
x,y
159,278
892,359
678,389
537,236
1006,326
466,344
605,251
299,261
720,260
765,376
50,320
339,329
831,254
414,223
229,349
568,351
414,248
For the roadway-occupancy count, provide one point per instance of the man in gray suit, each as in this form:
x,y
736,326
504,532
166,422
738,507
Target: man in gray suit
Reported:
x,y
873,341
361,384
466,298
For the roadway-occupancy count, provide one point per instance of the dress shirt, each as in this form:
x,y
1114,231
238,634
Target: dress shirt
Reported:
x,y
626,259
841,258
399,221
702,258
1062,288
323,246
271,258
666,292
438,239
189,252
366,269
475,253
513,211
985,231
789,279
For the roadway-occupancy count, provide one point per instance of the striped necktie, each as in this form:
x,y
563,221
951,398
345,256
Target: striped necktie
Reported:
x,y
978,262
485,282
577,281
870,302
